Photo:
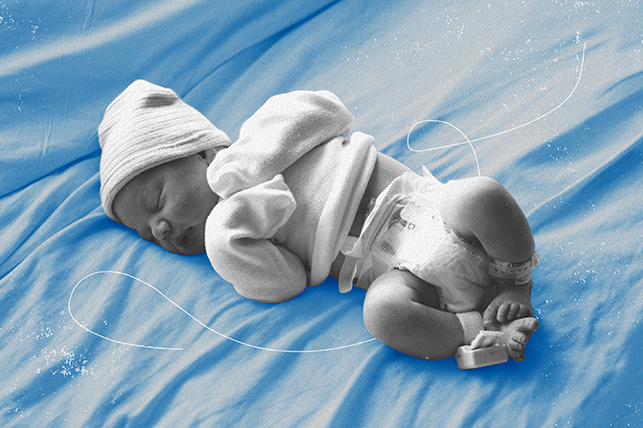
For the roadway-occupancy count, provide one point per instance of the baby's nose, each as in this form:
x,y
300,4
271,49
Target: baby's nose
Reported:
x,y
161,230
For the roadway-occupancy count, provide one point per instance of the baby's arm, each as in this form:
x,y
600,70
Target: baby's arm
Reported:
x,y
237,243
285,128
482,211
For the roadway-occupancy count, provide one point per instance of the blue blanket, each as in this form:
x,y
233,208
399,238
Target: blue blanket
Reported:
x,y
102,329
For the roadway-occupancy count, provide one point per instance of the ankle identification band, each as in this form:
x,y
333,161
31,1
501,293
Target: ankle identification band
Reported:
x,y
520,271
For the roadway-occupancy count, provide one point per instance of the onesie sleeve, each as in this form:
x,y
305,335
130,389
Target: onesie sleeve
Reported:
x,y
238,233
285,128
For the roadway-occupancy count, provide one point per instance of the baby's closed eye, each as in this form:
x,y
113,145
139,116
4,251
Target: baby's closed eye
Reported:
x,y
159,201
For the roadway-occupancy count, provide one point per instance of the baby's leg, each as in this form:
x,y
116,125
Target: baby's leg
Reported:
x,y
400,310
481,210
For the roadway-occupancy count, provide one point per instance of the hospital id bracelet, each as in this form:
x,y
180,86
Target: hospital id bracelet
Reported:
x,y
520,271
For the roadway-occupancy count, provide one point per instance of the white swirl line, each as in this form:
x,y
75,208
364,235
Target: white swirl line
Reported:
x,y
288,351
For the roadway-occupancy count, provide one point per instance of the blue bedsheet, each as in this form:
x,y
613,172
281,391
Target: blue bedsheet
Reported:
x,y
550,96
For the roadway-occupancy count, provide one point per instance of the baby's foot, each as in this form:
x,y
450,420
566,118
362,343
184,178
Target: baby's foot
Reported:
x,y
516,335
510,304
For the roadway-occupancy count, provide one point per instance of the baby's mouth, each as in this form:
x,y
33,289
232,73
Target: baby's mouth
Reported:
x,y
182,240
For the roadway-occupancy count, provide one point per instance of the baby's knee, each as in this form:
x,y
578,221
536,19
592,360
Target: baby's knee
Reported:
x,y
486,193
469,202
481,198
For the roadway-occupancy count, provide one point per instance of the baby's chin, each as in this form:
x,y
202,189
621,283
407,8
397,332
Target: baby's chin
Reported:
x,y
192,250
197,241
193,244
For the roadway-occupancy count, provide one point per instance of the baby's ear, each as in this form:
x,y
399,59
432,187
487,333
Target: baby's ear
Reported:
x,y
208,154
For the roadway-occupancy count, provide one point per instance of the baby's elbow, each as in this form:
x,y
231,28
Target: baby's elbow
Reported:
x,y
264,292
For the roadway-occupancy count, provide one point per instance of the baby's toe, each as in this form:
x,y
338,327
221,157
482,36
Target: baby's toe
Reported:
x,y
519,338
512,314
503,311
519,357
523,312
516,350
527,325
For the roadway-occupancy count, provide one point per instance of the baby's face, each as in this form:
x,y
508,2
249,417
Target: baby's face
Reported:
x,y
169,204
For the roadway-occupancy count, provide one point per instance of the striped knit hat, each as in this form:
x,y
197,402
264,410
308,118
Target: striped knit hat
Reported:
x,y
145,126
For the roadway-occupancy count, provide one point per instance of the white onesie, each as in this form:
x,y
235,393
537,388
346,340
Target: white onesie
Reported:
x,y
289,190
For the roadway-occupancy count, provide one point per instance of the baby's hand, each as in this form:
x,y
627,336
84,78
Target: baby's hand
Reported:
x,y
511,304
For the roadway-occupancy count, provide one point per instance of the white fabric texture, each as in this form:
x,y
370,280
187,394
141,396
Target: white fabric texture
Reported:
x,y
290,189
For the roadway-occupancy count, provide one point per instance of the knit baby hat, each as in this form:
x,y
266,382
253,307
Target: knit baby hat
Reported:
x,y
145,126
